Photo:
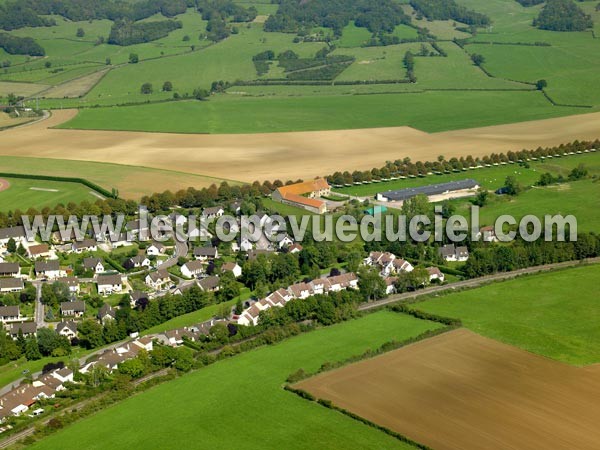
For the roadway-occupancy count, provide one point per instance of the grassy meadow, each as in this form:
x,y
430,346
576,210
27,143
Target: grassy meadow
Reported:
x,y
215,405
429,111
131,182
538,313
28,193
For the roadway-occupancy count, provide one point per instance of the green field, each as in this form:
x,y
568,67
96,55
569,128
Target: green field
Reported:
x,y
28,193
430,111
539,313
221,406
131,182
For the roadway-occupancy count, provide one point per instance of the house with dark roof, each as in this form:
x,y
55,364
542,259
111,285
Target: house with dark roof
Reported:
x,y
136,261
48,269
67,329
94,264
156,249
10,269
209,284
109,284
192,268
206,253
158,279
72,309
25,328
452,253
213,212
138,299
87,245
71,282
106,313
17,233
11,285
9,313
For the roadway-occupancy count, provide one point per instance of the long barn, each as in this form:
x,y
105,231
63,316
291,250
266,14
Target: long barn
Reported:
x,y
401,195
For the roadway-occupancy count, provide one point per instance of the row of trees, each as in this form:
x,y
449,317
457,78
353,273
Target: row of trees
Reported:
x,y
487,260
405,167
21,13
449,10
293,16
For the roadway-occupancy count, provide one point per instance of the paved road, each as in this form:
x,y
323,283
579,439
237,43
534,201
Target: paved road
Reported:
x,y
181,249
475,282
39,315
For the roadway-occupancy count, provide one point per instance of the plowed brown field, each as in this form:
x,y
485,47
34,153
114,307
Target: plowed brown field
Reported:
x,y
463,391
284,155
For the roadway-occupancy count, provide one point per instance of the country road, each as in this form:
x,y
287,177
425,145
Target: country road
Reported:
x,y
475,282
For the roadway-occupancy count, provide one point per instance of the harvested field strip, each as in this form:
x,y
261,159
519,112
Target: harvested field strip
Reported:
x,y
267,156
463,391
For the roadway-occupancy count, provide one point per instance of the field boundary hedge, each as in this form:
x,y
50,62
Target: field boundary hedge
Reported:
x,y
328,404
83,181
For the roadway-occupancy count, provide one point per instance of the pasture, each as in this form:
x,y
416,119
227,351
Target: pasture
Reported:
x,y
459,390
538,313
28,193
131,182
213,405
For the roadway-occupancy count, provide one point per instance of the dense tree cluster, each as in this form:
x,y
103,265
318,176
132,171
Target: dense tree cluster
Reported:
x,y
295,15
225,9
15,45
563,15
521,254
527,3
407,168
20,13
125,32
449,10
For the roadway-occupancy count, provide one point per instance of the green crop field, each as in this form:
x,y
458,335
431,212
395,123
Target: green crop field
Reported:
x,y
430,111
450,92
217,406
28,193
538,313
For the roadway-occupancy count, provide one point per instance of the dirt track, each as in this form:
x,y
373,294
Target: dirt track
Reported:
x,y
285,155
463,391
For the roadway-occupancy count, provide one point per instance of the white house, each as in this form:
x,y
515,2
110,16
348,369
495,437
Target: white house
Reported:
x,y
435,274
93,264
192,269
67,329
48,269
232,267
9,314
74,309
87,245
71,282
156,249
137,261
11,285
109,284
213,212
158,279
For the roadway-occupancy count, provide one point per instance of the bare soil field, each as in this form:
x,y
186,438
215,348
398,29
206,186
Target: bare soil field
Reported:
x,y
77,87
463,391
7,121
284,155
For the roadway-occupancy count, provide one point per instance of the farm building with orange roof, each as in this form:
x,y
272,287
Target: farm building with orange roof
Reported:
x,y
304,195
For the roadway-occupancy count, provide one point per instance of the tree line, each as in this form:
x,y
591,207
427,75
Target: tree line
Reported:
x,y
293,16
405,167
